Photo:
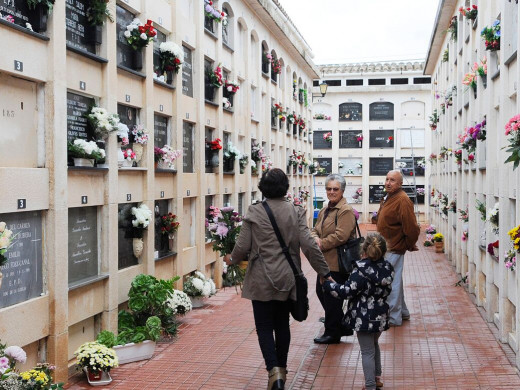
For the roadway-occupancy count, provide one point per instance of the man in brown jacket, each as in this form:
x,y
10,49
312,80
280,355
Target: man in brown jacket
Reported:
x,y
397,223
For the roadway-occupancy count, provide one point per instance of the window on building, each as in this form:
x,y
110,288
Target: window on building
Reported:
x,y
160,130
422,80
399,81
226,200
376,81
352,83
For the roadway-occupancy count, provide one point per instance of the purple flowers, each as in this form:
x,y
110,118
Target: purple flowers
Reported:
x,y
222,230
227,209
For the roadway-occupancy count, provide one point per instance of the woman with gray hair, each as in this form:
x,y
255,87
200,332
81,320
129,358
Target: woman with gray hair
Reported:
x,y
335,225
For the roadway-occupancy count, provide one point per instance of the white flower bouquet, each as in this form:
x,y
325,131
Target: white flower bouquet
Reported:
x,y
142,215
171,56
179,302
199,286
226,103
139,134
139,35
122,133
102,121
96,357
6,238
81,148
400,164
493,218
232,152
166,155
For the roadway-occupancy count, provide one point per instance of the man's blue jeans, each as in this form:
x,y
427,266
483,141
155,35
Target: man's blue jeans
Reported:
x,y
395,300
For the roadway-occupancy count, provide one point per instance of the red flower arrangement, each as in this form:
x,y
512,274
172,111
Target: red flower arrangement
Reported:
x,y
215,144
169,224
276,66
469,12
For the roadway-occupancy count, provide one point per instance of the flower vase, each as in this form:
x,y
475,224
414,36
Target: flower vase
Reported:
x,y
83,162
209,92
120,155
197,302
360,144
94,376
127,163
171,238
484,80
163,165
137,246
439,247
38,17
214,159
169,77
138,149
137,59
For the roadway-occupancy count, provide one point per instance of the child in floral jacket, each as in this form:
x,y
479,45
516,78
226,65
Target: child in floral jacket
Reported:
x,y
367,290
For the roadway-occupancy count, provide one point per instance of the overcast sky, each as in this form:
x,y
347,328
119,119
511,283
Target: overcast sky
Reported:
x,y
340,31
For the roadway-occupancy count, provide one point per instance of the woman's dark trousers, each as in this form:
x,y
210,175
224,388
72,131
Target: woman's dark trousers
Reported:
x,y
272,327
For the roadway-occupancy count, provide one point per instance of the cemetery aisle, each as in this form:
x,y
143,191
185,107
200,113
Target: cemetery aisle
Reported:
x,y
445,345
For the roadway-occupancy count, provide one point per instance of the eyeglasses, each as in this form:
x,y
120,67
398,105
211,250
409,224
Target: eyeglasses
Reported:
x,y
329,189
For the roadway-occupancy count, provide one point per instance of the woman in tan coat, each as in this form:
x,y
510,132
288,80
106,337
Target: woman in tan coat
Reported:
x,y
334,226
269,280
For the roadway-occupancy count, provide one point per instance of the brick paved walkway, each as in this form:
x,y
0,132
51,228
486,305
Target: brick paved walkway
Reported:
x,y
445,345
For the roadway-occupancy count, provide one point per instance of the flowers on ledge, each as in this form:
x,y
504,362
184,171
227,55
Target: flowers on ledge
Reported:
x,y
211,12
215,77
214,144
231,152
169,224
139,35
328,137
276,66
96,357
129,155
143,216
434,120
231,86
513,133
492,217
491,36
166,155
170,56
102,121
6,240
179,302
469,12
81,148
198,285
322,117
139,135
359,137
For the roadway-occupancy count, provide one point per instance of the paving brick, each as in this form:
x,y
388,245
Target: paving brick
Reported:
x,y
445,345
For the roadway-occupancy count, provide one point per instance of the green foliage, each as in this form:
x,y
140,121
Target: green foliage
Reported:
x,y
46,3
107,338
234,276
481,207
97,13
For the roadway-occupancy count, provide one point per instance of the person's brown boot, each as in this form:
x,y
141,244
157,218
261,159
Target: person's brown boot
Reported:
x,y
276,378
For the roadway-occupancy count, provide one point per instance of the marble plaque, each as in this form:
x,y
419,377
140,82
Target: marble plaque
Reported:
x,y
380,166
187,73
126,256
381,139
350,112
79,32
124,50
381,111
23,277
83,243
187,145
77,125
160,127
319,142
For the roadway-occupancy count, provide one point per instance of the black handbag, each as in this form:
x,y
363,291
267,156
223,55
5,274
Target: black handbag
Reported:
x,y
349,252
300,307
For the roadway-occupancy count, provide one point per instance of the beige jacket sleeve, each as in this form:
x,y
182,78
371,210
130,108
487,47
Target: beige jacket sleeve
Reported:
x,y
309,247
244,242
346,225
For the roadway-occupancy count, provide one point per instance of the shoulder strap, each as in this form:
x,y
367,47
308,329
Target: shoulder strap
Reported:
x,y
357,226
285,249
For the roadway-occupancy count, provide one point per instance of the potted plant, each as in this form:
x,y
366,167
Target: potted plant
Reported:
x,y
198,287
213,81
165,157
139,35
169,226
140,221
84,153
179,302
97,13
438,240
170,59
96,360
6,240
38,14
230,155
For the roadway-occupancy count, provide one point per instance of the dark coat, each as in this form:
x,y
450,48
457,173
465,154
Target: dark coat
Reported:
x,y
366,289
269,275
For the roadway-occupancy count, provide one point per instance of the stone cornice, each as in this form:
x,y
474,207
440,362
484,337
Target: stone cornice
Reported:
x,y
372,67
